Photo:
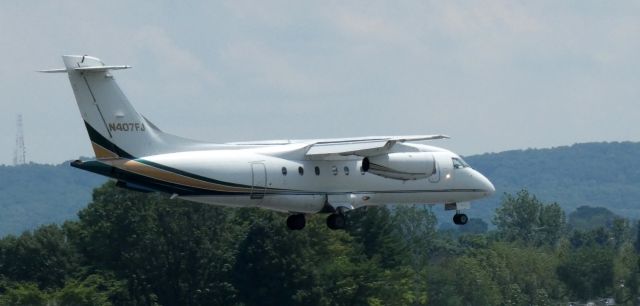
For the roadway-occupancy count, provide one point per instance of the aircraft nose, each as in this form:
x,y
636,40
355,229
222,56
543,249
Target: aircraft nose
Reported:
x,y
485,184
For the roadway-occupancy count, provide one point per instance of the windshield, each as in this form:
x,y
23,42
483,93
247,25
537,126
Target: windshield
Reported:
x,y
459,163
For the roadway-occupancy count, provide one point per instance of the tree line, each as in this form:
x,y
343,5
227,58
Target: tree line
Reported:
x,y
129,248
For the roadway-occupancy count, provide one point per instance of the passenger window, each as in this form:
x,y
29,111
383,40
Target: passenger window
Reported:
x,y
317,170
301,170
334,170
284,170
346,170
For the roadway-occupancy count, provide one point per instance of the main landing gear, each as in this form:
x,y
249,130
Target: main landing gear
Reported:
x,y
296,222
336,221
460,219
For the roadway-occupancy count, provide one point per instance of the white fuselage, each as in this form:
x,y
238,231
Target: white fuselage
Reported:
x,y
279,178
295,176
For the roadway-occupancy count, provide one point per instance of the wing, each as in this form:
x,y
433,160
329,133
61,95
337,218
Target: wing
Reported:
x,y
361,146
364,146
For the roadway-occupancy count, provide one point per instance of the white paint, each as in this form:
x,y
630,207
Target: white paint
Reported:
x,y
340,181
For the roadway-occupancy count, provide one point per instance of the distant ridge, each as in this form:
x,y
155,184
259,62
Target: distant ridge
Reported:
x,y
605,174
593,174
35,194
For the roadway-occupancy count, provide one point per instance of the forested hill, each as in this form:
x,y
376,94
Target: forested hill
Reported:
x,y
594,174
35,194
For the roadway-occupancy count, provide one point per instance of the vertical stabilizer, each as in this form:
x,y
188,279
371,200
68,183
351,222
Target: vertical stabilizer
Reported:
x,y
116,129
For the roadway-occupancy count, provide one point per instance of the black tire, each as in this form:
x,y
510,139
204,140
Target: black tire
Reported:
x,y
463,219
460,219
296,222
336,221
331,221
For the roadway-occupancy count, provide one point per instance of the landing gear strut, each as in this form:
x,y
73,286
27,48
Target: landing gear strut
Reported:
x,y
336,221
460,219
296,222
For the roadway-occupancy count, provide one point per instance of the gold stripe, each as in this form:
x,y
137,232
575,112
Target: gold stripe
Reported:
x,y
102,152
170,177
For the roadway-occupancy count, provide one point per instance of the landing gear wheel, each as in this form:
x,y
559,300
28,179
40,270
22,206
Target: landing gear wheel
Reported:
x,y
296,222
460,219
336,221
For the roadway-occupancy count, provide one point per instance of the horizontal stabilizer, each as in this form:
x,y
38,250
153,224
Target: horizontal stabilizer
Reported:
x,y
101,68
87,69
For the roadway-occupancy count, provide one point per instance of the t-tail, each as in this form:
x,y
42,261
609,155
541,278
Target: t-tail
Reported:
x,y
115,128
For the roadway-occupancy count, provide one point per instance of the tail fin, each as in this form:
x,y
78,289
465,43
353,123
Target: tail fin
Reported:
x,y
115,128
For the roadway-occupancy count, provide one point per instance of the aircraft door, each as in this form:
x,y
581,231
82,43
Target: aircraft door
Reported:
x,y
435,176
258,180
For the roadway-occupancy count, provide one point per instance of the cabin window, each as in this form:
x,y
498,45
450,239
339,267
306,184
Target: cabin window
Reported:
x,y
334,170
284,170
301,170
346,170
317,170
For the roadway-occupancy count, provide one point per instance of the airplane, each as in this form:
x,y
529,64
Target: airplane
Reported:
x,y
297,177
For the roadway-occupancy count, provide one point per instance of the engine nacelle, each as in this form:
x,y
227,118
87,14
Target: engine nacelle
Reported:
x,y
401,166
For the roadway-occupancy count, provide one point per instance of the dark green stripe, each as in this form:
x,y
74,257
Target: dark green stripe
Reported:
x,y
96,137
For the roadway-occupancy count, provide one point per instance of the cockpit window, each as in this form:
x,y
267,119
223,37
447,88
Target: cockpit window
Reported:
x,y
459,163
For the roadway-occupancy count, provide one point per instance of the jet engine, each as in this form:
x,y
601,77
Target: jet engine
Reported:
x,y
401,166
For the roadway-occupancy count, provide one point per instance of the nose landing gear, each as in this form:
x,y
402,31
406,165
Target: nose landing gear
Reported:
x,y
460,219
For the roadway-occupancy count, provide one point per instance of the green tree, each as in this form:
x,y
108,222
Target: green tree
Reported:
x,y
44,257
474,283
130,248
87,292
373,228
385,237
272,266
415,226
625,274
474,226
620,232
170,252
588,272
636,243
442,284
589,218
25,294
524,218
315,266
526,276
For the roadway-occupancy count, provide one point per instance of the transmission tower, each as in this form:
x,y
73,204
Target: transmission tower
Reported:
x,y
20,153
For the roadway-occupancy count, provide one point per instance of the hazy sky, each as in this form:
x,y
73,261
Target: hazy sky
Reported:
x,y
494,75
